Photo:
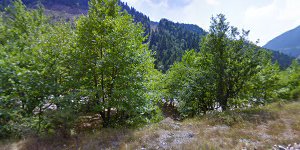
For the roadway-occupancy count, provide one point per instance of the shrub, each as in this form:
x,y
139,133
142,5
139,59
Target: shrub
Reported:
x,y
295,94
60,122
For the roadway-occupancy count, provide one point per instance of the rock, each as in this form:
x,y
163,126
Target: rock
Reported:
x,y
190,135
295,146
281,147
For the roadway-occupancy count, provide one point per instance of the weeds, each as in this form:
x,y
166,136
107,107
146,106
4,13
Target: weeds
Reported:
x,y
254,128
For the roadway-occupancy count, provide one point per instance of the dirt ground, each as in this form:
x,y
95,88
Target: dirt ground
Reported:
x,y
257,130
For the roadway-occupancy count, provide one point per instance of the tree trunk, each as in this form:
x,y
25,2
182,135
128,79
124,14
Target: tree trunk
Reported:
x,y
104,119
108,114
224,105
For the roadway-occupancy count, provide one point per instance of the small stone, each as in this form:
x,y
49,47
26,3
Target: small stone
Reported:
x,y
297,146
190,135
281,147
292,148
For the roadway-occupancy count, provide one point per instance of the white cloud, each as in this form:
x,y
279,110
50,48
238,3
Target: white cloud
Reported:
x,y
271,20
264,11
212,2
291,10
265,19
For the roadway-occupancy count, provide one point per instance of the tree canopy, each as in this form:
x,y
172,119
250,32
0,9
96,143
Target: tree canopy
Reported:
x,y
217,75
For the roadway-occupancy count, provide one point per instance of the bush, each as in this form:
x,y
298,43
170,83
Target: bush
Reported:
x,y
60,122
295,94
9,127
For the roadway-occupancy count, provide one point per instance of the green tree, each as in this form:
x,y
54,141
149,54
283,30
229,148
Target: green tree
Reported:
x,y
289,82
113,63
218,75
33,54
264,86
190,85
232,60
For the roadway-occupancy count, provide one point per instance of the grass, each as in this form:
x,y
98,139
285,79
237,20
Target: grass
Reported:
x,y
296,125
254,128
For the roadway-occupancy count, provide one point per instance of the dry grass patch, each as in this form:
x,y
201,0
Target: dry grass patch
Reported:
x,y
254,128
296,126
276,128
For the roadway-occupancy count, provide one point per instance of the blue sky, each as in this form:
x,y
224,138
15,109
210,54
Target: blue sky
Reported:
x,y
265,19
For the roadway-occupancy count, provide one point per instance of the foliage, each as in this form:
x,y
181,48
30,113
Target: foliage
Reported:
x,y
98,66
113,63
289,82
60,121
187,82
33,59
264,86
53,71
223,74
170,40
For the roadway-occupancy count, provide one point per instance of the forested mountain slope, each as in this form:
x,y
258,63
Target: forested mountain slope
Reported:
x,y
170,40
167,39
287,43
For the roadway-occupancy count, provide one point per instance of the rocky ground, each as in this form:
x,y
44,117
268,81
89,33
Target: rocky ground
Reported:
x,y
294,146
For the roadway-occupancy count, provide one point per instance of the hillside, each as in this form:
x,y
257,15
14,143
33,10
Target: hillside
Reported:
x,y
287,43
283,60
170,40
167,39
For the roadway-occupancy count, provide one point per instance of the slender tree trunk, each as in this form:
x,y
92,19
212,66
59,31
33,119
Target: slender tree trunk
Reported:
x,y
108,114
103,113
224,105
221,84
40,118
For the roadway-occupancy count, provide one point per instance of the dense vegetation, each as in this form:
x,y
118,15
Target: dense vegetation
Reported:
x,y
54,73
170,40
100,65
223,74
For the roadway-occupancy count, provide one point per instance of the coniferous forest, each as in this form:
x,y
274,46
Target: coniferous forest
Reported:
x,y
116,67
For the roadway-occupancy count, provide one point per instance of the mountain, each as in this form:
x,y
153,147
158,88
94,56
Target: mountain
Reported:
x,y
170,40
167,39
283,60
287,43
138,16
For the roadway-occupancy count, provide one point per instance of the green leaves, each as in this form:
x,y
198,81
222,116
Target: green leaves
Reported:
x,y
34,59
289,82
112,61
218,75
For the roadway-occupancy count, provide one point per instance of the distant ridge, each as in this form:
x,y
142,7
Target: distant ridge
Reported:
x,y
169,40
287,43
